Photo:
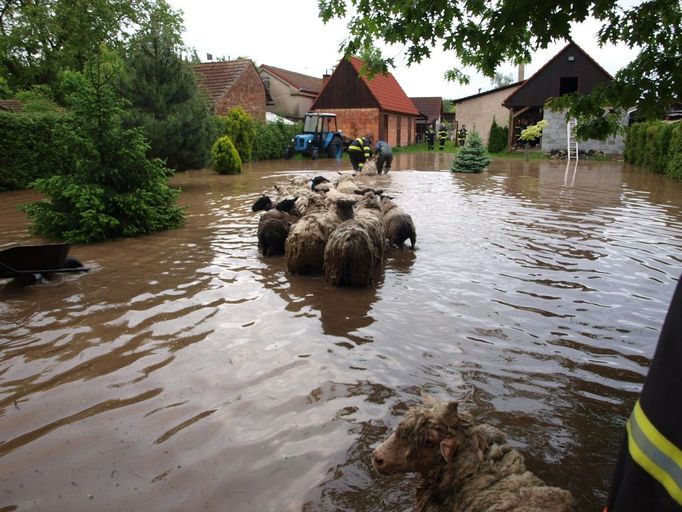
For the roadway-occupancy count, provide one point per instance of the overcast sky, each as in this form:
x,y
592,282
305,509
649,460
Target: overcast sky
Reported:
x,y
290,35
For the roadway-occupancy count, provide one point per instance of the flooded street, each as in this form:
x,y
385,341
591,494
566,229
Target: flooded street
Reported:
x,y
187,372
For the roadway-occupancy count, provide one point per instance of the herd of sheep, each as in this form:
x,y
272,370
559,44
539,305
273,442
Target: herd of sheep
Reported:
x,y
339,229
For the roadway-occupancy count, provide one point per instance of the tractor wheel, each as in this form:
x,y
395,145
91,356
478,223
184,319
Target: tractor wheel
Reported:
x,y
288,153
70,262
335,148
314,154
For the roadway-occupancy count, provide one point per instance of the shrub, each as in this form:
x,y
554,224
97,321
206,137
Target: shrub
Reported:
x,y
473,156
655,146
241,128
113,189
29,149
497,142
272,139
225,157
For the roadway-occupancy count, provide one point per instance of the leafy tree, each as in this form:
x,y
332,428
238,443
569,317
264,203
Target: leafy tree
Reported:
x,y
241,128
164,95
449,105
39,38
5,91
501,79
533,132
224,157
38,98
472,157
486,34
113,189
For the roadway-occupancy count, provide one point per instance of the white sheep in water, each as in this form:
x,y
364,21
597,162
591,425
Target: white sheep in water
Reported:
x,y
463,467
398,224
369,215
349,256
304,248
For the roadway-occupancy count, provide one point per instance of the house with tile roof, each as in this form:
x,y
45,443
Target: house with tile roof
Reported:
x,y
11,105
233,83
378,106
292,93
431,110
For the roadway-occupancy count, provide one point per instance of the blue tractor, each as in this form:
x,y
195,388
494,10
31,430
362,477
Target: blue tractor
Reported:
x,y
320,137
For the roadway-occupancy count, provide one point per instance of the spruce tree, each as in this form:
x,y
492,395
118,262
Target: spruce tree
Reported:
x,y
473,156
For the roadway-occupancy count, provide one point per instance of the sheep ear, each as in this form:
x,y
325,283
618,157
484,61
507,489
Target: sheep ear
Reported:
x,y
449,415
448,447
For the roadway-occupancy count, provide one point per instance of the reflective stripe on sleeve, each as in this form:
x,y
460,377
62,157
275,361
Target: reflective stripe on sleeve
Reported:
x,y
654,453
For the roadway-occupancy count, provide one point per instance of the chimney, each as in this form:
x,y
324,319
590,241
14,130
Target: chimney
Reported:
x,y
209,56
521,72
325,79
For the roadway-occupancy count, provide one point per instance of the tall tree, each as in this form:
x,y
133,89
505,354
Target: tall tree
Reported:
x,y
40,38
163,92
486,34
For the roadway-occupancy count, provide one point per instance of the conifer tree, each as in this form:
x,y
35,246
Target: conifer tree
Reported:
x,y
473,157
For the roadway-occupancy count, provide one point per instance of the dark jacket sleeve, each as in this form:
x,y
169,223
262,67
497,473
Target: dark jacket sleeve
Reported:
x,y
633,487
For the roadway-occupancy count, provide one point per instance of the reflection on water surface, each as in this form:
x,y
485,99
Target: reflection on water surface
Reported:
x,y
186,372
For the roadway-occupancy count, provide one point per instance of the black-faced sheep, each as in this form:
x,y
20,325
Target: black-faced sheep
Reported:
x,y
464,467
349,256
273,230
398,224
304,248
263,203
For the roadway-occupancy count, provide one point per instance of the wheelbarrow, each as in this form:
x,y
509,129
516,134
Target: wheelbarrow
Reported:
x,y
31,263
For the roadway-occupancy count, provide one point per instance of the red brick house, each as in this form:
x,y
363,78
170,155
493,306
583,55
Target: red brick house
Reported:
x,y
233,83
292,93
378,106
10,106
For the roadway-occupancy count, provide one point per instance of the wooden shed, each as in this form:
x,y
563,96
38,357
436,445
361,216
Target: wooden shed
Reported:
x,y
571,70
377,106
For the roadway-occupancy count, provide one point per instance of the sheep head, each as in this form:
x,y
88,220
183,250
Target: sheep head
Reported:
x,y
424,439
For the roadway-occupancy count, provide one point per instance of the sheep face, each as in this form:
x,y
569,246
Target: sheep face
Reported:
x,y
423,440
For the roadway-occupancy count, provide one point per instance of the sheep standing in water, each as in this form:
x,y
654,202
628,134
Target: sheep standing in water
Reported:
x,y
464,467
369,216
273,230
349,256
398,224
304,248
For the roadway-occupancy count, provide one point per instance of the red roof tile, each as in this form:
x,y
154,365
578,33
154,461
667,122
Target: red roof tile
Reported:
x,y
386,90
303,83
215,78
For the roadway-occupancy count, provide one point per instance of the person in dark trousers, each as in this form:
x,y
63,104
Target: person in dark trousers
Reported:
x,y
462,136
648,474
430,137
442,137
359,152
384,156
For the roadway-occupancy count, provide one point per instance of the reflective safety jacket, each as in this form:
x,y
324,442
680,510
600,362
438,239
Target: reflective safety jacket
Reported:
x,y
361,144
443,134
648,475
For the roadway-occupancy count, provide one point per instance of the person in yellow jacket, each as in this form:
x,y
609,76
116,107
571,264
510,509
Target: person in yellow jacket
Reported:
x,y
360,151
648,474
442,137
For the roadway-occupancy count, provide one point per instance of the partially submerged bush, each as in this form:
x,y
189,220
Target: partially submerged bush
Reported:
x,y
497,141
472,157
241,128
224,157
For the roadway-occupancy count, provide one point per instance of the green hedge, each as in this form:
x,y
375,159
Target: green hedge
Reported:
x,y
272,139
28,149
656,146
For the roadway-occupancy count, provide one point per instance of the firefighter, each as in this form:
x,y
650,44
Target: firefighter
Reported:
x,y
462,136
648,474
359,152
442,137
430,137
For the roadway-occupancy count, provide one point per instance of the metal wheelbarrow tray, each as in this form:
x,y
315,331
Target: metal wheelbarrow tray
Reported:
x,y
33,261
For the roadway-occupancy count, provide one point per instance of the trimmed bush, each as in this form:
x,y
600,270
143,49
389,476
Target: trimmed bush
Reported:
x,y
28,148
224,157
241,128
655,146
272,139
497,141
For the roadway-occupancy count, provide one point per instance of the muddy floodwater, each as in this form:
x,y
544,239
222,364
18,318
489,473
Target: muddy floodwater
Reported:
x,y
186,372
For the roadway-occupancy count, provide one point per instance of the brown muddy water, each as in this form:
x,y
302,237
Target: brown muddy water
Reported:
x,y
186,372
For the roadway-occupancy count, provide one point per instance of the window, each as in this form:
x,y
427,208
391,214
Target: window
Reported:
x,y
568,84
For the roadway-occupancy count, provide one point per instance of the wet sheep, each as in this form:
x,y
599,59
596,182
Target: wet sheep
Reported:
x,y
463,467
398,224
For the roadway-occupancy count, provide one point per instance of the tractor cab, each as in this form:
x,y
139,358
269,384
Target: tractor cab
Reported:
x,y
320,136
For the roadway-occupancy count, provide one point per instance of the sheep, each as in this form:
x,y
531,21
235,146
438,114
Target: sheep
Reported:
x,y
369,169
368,214
346,184
273,230
398,224
463,467
304,248
349,256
